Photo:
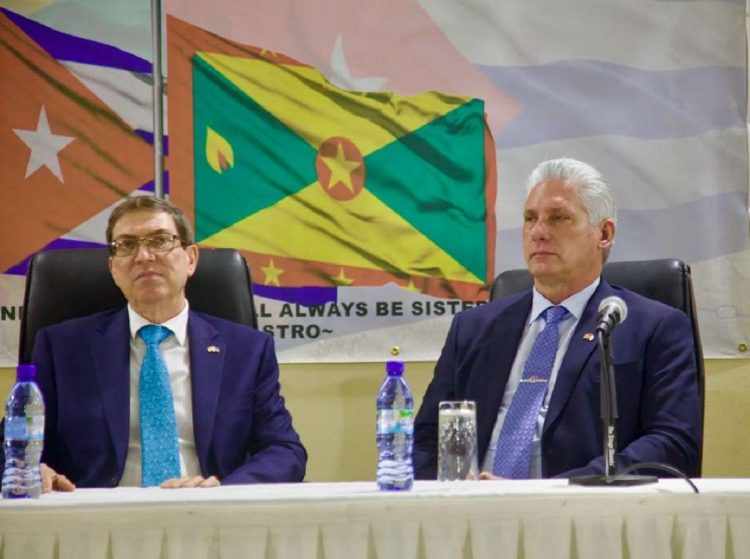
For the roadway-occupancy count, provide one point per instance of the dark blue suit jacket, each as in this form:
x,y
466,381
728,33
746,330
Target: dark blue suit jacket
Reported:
x,y
657,389
243,432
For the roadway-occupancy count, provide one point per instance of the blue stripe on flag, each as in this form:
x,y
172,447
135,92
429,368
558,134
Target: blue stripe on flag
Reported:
x,y
573,99
148,136
669,232
64,46
22,267
306,296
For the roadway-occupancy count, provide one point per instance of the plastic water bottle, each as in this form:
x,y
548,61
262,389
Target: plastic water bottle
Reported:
x,y
395,430
24,437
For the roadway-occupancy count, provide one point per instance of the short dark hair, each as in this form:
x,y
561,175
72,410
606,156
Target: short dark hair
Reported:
x,y
156,205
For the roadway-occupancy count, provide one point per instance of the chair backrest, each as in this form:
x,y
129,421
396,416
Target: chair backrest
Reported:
x,y
666,280
70,283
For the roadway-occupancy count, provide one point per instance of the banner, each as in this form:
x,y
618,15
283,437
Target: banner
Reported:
x,y
66,155
381,107
327,190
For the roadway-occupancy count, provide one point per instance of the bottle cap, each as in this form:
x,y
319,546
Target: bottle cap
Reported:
x,y
26,372
394,368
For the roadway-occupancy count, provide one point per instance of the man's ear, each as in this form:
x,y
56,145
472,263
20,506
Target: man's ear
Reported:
x,y
192,253
111,268
607,229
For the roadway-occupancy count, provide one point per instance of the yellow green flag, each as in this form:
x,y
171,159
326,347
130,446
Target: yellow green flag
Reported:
x,y
321,186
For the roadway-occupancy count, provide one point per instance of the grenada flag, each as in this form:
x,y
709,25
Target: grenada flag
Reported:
x,y
324,187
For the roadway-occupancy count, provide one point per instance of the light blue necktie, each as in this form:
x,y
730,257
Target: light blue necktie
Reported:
x,y
513,453
160,458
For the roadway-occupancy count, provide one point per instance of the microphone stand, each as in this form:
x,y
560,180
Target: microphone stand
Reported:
x,y
608,400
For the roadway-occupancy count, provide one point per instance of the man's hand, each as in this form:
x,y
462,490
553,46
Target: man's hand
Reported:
x,y
52,481
188,481
489,475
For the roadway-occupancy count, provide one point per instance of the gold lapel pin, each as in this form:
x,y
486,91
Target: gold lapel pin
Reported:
x,y
588,336
213,349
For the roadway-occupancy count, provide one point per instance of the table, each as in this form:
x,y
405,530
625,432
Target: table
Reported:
x,y
480,520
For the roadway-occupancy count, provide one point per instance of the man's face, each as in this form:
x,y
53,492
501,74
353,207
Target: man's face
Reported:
x,y
560,245
152,280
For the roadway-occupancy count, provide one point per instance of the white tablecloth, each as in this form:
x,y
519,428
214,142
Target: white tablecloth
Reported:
x,y
527,519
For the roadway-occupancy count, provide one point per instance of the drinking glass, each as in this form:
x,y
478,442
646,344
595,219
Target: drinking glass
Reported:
x,y
457,441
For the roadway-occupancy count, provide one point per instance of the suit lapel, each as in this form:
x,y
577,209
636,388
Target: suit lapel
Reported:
x,y
498,357
207,352
110,351
579,352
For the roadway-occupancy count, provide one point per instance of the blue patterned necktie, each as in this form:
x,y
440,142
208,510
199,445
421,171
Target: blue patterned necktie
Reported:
x,y
160,457
513,453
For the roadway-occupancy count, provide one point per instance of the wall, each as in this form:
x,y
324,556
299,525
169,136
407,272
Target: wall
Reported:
x,y
726,444
334,409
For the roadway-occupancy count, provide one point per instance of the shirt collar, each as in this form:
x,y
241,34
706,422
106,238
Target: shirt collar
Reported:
x,y
575,303
177,324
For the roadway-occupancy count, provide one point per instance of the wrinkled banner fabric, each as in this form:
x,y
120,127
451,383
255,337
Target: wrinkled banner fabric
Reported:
x,y
369,159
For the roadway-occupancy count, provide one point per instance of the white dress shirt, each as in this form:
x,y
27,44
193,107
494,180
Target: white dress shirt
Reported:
x,y
535,323
175,350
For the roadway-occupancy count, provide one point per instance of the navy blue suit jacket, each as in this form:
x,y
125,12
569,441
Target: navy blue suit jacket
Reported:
x,y
657,390
243,432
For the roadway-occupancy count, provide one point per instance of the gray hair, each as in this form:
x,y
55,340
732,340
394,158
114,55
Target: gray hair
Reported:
x,y
594,191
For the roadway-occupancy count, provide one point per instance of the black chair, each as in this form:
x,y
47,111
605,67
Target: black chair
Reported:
x,y
666,280
69,283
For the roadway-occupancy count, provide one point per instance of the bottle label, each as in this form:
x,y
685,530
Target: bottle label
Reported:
x,y
29,428
35,427
395,421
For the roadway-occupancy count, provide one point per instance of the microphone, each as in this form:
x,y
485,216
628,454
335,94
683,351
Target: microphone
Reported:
x,y
612,311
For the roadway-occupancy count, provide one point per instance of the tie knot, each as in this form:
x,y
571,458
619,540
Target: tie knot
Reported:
x,y
153,334
553,315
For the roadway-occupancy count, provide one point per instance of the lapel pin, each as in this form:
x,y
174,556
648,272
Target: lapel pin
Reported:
x,y
588,336
213,349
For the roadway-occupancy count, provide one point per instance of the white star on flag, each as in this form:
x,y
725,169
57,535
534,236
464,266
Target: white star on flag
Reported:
x,y
341,75
44,146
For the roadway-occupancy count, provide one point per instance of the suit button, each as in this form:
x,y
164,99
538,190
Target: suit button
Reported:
x,y
113,482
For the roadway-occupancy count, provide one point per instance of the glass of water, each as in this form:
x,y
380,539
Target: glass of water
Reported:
x,y
457,441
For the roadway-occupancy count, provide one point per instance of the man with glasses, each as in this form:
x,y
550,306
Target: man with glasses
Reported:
x,y
204,399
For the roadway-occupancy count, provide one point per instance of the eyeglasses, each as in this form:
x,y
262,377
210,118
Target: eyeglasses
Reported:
x,y
159,243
